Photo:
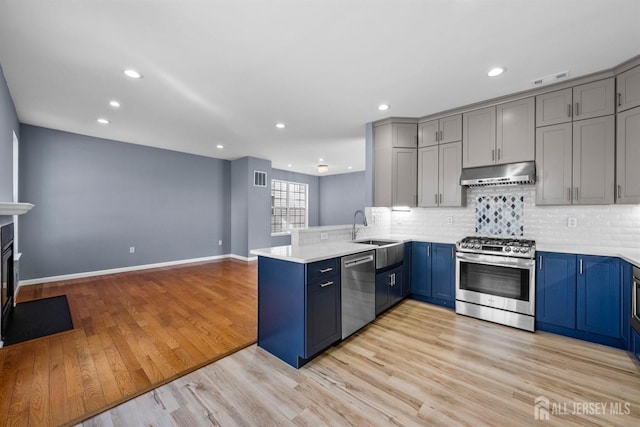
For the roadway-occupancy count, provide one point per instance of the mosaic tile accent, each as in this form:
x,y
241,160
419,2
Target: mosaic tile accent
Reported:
x,y
501,215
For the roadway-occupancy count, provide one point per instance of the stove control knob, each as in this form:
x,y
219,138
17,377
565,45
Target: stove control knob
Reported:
x,y
476,247
507,249
516,250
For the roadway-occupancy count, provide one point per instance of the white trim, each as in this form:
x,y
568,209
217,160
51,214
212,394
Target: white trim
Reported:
x,y
127,269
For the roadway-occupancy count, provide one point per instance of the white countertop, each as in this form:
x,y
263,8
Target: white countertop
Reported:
x,y
311,253
317,252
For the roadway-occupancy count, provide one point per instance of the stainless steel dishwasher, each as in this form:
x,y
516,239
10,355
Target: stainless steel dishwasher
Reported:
x,y
358,282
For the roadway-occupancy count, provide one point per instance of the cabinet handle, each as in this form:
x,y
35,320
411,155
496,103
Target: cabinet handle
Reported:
x,y
428,250
580,265
569,193
325,284
453,254
436,198
569,110
440,198
498,154
540,260
577,109
576,194
441,135
619,99
326,270
619,191
437,133
493,155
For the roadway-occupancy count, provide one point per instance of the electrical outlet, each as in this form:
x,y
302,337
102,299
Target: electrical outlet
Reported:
x,y
132,249
324,236
374,218
572,222
219,242
450,220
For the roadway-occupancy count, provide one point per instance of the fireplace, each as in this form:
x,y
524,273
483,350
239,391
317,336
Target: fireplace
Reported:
x,y
8,275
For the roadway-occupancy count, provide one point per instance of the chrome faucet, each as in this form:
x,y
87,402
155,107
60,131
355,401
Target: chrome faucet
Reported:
x,y
354,232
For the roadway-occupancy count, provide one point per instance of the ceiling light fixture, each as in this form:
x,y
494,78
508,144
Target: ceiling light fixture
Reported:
x,y
280,125
114,104
496,71
349,167
289,165
323,168
383,107
132,73
219,146
103,121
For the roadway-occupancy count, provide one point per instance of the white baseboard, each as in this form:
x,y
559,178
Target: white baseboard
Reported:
x,y
126,269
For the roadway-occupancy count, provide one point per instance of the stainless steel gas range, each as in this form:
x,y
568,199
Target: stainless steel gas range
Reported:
x,y
495,280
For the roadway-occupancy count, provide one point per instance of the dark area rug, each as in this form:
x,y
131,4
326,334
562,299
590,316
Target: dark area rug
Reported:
x,y
38,318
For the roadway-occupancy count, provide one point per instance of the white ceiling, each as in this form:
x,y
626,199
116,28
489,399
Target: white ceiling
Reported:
x,y
226,71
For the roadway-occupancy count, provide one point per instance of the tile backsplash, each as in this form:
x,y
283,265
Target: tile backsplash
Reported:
x,y
609,225
501,215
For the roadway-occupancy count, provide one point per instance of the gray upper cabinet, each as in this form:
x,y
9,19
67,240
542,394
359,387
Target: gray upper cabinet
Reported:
x,y
578,103
628,157
442,131
554,107
439,168
575,162
395,164
553,163
404,135
594,161
428,133
499,134
515,131
428,176
628,89
594,99
479,136
449,169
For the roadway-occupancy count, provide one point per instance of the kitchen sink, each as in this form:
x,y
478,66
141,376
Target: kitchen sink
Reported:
x,y
388,252
377,242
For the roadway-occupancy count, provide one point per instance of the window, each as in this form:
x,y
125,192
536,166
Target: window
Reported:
x,y
288,206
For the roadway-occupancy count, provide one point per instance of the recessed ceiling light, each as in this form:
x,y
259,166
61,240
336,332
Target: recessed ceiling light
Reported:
x,y
132,73
383,107
289,165
219,146
114,104
496,71
321,160
280,125
349,168
103,121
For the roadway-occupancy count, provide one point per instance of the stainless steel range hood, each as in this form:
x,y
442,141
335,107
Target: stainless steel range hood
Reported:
x,y
508,174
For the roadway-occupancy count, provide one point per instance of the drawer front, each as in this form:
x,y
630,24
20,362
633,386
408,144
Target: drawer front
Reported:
x,y
323,269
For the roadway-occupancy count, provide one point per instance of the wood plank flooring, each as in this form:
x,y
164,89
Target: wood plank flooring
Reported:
x,y
133,332
416,365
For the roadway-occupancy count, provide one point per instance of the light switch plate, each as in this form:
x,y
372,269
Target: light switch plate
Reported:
x,y
572,222
450,220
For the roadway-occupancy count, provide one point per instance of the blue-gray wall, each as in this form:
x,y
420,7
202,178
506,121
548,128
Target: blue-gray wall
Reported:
x,y
8,125
340,196
94,198
250,206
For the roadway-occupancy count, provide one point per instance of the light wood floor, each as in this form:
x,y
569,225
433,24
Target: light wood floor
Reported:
x,y
133,332
417,365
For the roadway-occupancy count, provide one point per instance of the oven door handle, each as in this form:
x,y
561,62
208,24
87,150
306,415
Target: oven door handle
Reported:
x,y
499,261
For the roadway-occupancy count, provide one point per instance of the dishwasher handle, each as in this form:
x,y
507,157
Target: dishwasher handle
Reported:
x,y
358,261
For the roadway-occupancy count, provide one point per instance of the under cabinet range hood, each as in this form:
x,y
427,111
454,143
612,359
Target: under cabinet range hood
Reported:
x,y
508,174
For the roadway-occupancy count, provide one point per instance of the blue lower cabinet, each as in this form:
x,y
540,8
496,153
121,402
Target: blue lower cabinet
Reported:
x,y
635,343
388,288
406,270
582,296
433,273
298,308
556,289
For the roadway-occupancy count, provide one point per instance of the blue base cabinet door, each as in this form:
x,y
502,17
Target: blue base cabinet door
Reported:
x,y
556,289
406,270
388,289
599,307
443,272
421,269
323,315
